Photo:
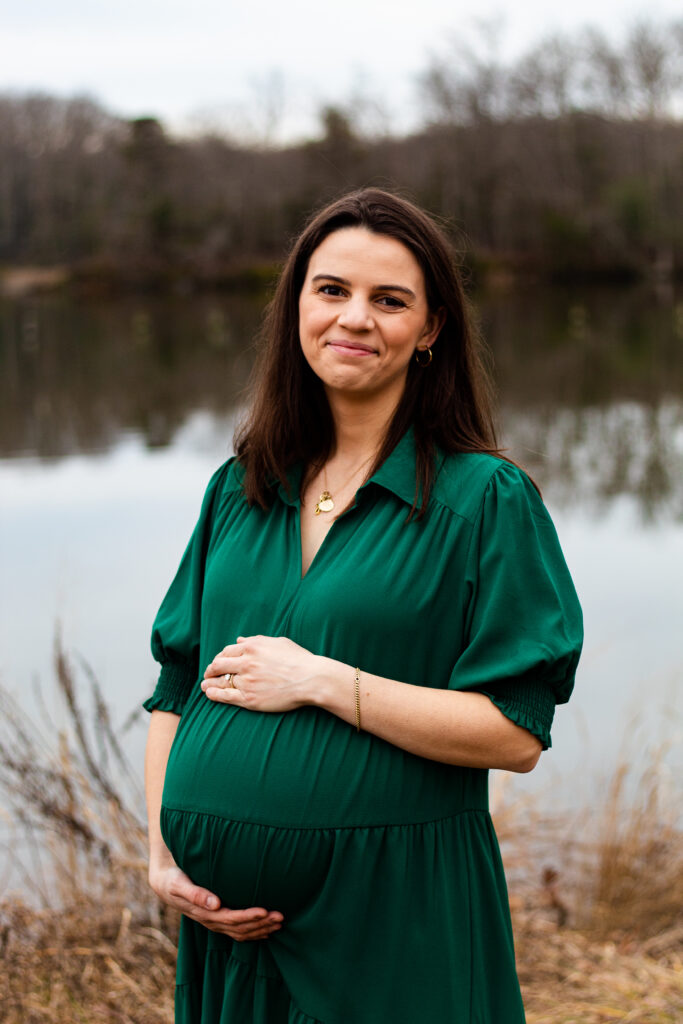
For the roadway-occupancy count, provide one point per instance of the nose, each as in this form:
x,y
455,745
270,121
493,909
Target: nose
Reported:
x,y
356,315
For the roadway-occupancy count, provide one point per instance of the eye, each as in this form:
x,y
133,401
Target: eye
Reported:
x,y
330,289
391,302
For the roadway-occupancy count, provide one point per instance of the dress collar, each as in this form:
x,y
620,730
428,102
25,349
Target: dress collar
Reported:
x,y
397,473
293,475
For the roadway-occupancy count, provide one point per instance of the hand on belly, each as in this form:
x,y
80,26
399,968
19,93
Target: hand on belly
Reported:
x,y
262,673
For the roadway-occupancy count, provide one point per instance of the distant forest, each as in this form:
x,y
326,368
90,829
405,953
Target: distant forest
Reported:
x,y
565,164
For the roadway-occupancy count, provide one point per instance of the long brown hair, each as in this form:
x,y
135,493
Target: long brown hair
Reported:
x,y
448,404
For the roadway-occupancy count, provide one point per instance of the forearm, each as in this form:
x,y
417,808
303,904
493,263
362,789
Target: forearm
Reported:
x,y
463,728
162,729
443,725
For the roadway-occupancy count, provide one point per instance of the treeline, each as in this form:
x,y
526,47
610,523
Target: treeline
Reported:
x,y
565,163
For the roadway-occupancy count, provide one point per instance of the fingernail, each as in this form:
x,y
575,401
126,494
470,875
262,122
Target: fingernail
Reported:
x,y
211,902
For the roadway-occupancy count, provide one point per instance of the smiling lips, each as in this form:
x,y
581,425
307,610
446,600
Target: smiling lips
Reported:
x,y
352,348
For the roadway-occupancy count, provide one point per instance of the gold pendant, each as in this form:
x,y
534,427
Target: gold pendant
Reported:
x,y
325,503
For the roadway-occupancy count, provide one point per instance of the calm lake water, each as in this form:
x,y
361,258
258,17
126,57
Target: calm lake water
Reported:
x,y
114,415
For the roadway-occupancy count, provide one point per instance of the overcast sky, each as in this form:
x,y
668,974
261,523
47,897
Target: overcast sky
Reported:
x,y
219,58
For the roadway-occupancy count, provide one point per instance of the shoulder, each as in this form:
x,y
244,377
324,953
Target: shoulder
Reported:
x,y
225,480
465,479
233,474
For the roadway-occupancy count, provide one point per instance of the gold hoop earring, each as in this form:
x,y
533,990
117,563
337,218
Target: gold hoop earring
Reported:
x,y
421,362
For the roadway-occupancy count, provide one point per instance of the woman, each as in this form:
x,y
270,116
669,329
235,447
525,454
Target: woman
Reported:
x,y
385,614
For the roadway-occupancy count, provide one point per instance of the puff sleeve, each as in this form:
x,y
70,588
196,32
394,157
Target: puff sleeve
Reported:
x,y
176,629
523,620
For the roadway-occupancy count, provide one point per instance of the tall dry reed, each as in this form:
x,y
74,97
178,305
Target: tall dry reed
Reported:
x,y
86,940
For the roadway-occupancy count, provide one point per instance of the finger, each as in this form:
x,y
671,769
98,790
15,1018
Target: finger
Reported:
x,y
195,894
224,679
258,918
217,923
265,927
257,936
236,649
249,924
222,665
214,678
225,918
245,932
222,694
231,651
248,929
248,916
254,930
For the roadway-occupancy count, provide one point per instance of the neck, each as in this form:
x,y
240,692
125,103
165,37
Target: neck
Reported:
x,y
360,426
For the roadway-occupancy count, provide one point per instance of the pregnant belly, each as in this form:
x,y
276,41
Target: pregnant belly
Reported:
x,y
249,865
306,769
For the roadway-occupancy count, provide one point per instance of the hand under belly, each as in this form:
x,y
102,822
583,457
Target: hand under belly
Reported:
x,y
248,865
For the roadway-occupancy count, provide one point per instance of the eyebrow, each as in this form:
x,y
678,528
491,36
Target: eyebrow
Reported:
x,y
377,287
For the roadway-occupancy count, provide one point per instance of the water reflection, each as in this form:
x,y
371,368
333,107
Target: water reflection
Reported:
x,y
592,382
74,377
589,457
562,348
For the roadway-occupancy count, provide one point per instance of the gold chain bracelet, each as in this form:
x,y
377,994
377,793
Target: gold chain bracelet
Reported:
x,y
357,691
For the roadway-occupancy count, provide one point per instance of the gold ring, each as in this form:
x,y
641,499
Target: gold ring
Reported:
x,y
229,680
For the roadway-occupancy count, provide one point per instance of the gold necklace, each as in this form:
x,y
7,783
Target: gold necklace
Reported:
x,y
325,502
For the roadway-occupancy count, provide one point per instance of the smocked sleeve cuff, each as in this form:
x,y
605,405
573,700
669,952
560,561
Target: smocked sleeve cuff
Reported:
x,y
530,705
172,689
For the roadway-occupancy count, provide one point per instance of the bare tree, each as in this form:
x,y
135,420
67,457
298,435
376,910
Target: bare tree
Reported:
x,y
655,66
544,81
605,83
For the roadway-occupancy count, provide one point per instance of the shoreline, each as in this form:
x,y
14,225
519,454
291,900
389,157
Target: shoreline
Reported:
x,y
108,277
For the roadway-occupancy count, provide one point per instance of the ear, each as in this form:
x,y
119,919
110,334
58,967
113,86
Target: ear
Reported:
x,y
435,322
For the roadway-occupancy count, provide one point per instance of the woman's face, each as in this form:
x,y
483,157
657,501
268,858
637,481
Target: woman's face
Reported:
x,y
363,312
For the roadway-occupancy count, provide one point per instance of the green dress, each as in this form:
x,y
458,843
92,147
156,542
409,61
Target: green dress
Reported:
x,y
385,865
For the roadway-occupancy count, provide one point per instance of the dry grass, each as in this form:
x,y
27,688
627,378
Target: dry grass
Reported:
x,y
597,910
87,963
598,902
569,977
92,943
635,887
